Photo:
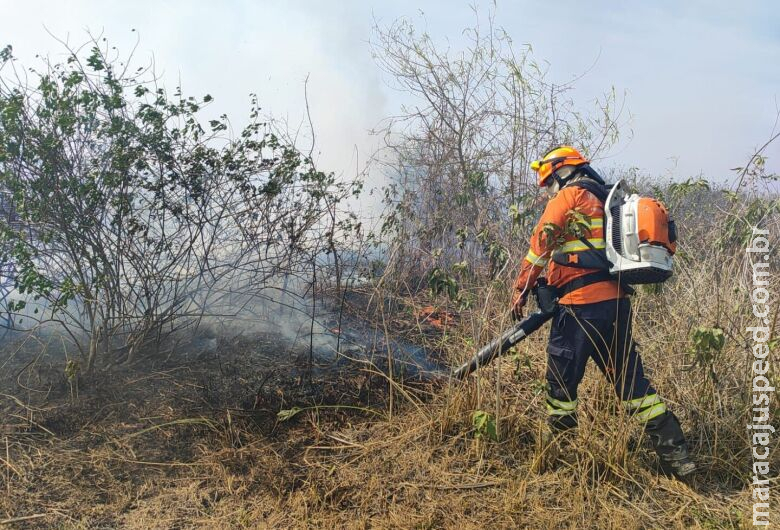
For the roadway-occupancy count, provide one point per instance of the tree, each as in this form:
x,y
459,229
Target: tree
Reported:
x,y
459,153
133,216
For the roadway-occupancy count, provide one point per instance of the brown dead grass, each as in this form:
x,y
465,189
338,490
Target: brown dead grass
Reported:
x,y
195,442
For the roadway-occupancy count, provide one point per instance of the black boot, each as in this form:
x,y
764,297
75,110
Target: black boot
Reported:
x,y
563,423
554,442
669,442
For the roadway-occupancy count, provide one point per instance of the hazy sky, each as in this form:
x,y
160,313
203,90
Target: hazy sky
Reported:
x,y
702,79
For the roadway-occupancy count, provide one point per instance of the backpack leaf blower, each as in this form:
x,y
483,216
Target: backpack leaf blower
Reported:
x,y
640,243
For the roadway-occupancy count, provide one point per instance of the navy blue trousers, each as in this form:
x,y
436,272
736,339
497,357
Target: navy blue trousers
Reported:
x,y
602,332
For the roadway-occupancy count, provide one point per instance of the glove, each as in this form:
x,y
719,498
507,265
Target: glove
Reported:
x,y
518,302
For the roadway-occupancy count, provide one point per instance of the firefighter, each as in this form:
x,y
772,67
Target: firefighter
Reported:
x,y
593,319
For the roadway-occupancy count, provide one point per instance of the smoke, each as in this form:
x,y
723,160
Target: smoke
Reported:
x,y
286,308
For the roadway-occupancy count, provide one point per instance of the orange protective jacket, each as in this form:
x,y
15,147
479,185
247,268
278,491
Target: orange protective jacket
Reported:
x,y
552,225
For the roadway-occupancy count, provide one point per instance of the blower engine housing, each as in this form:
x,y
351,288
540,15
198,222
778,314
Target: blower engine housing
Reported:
x,y
640,236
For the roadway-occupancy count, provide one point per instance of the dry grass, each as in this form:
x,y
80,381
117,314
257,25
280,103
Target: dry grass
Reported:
x,y
195,443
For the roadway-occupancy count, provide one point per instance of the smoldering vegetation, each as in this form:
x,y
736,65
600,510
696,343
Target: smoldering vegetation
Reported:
x,y
201,334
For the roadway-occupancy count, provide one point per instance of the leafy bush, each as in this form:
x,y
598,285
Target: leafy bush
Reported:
x,y
132,216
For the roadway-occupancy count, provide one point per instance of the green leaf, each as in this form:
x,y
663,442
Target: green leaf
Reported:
x,y
286,414
484,425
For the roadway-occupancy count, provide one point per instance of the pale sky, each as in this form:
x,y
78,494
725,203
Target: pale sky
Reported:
x,y
701,78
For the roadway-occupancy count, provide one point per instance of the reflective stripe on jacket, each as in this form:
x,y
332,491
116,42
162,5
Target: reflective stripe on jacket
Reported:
x,y
560,208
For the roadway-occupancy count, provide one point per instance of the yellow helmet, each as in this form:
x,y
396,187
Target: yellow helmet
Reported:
x,y
554,160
